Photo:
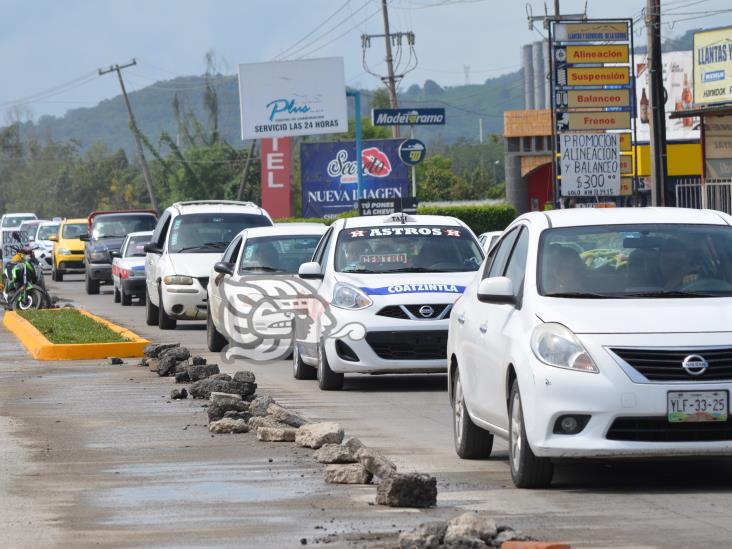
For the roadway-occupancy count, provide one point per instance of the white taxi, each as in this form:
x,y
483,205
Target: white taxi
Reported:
x,y
386,287
597,334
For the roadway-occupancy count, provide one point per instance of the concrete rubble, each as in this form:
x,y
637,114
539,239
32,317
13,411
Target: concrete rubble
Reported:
x,y
276,434
335,453
314,435
346,473
228,425
467,531
285,416
407,490
178,394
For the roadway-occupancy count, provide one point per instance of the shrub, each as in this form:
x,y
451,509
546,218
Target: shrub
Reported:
x,y
480,219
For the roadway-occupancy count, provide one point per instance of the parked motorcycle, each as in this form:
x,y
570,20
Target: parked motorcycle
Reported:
x,y
22,279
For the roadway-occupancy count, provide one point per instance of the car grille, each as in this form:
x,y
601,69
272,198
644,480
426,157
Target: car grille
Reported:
x,y
421,345
665,365
658,429
411,312
203,280
71,264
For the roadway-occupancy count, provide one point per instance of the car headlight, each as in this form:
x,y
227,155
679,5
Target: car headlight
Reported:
x,y
178,280
556,345
64,251
346,296
98,256
137,273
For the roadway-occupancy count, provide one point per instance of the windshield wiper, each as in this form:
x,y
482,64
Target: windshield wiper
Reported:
x,y
191,248
111,236
582,295
671,293
360,270
216,244
416,270
262,268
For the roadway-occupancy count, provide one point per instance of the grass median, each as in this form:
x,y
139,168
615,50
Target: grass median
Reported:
x,y
65,326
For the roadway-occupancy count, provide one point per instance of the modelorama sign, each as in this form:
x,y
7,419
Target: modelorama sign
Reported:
x,y
408,117
713,66
290,98
590,164
329,175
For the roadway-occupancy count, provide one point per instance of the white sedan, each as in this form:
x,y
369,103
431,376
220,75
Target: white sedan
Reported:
x,y
128,268
254,292
488,239
384,289
596,333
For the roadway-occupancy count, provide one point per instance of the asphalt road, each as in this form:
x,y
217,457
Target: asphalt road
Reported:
x,y
591,504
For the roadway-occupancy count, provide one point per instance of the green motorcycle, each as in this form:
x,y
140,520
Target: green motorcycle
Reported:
x,y
23,287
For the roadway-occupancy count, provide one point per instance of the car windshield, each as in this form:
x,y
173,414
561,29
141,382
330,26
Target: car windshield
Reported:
x,y
636,261
119,226
10,222
210,232
414,248
283,254
44,231
136,246
73,230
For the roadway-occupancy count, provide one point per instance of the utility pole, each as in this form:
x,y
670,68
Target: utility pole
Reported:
x,y
390,80
245,172
135,130
657,100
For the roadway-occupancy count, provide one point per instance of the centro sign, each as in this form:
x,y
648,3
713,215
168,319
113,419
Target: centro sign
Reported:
x,y
290,98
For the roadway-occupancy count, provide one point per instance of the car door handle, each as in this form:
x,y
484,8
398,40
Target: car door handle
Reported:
x,y
483,328
461,318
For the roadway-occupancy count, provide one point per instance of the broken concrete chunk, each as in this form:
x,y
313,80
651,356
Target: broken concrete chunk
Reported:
x,y
349,473
285,416
182,377
425,536
314,435
471,525
258,406
153,350
407,490
153,364
177,353
233,414
215,397
168,365
245,376
217,409
276,434
375,462
335,453
202,371
178,394
353,444
228,425
266,421
219,384
116,360
198,360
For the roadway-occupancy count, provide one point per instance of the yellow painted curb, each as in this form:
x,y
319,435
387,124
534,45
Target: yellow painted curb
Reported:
x,y
42,349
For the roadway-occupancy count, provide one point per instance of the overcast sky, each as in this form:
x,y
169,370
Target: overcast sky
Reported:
x,y
45,44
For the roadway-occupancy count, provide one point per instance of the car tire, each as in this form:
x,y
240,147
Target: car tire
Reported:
x,y
125,298
300,370
56,275
328,380
527,470
165,321
151,311
471,442
117,296
215,340
92,286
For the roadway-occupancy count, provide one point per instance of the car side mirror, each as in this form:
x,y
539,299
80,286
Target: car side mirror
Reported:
x,y
498,289
115,253
152,248
224,268
84,237
311,270
53,238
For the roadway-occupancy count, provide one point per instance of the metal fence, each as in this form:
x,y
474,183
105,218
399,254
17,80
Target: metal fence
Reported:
x,y
712,194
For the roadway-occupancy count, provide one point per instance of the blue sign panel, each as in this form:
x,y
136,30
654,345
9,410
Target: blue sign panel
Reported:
x,y
408,117
329,175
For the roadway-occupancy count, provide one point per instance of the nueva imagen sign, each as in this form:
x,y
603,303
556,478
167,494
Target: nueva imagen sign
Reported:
x,y
713,66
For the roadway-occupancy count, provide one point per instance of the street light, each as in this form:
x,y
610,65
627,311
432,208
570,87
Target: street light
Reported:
x,y
495,171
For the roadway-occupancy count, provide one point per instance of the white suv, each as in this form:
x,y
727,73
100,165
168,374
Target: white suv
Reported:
x,y
188,239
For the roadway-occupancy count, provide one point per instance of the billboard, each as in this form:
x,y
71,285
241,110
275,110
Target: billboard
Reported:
x,y
718,147
276,176
329,175
411,117
677,77
289,98
713,66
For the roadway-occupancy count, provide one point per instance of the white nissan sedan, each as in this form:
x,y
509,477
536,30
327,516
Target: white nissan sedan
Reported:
x,y
596,333
384,289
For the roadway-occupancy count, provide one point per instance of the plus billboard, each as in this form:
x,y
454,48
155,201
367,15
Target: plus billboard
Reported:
x,y
329,175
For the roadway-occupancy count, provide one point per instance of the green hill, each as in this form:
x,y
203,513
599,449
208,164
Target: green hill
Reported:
x,y
153,106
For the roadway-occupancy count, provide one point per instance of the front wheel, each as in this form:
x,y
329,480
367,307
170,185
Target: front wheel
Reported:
x,y
124,297
527,470
471,442
214,339
165,321
92,286
29,299
117,296
300,370
328,380
56,275
151,311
